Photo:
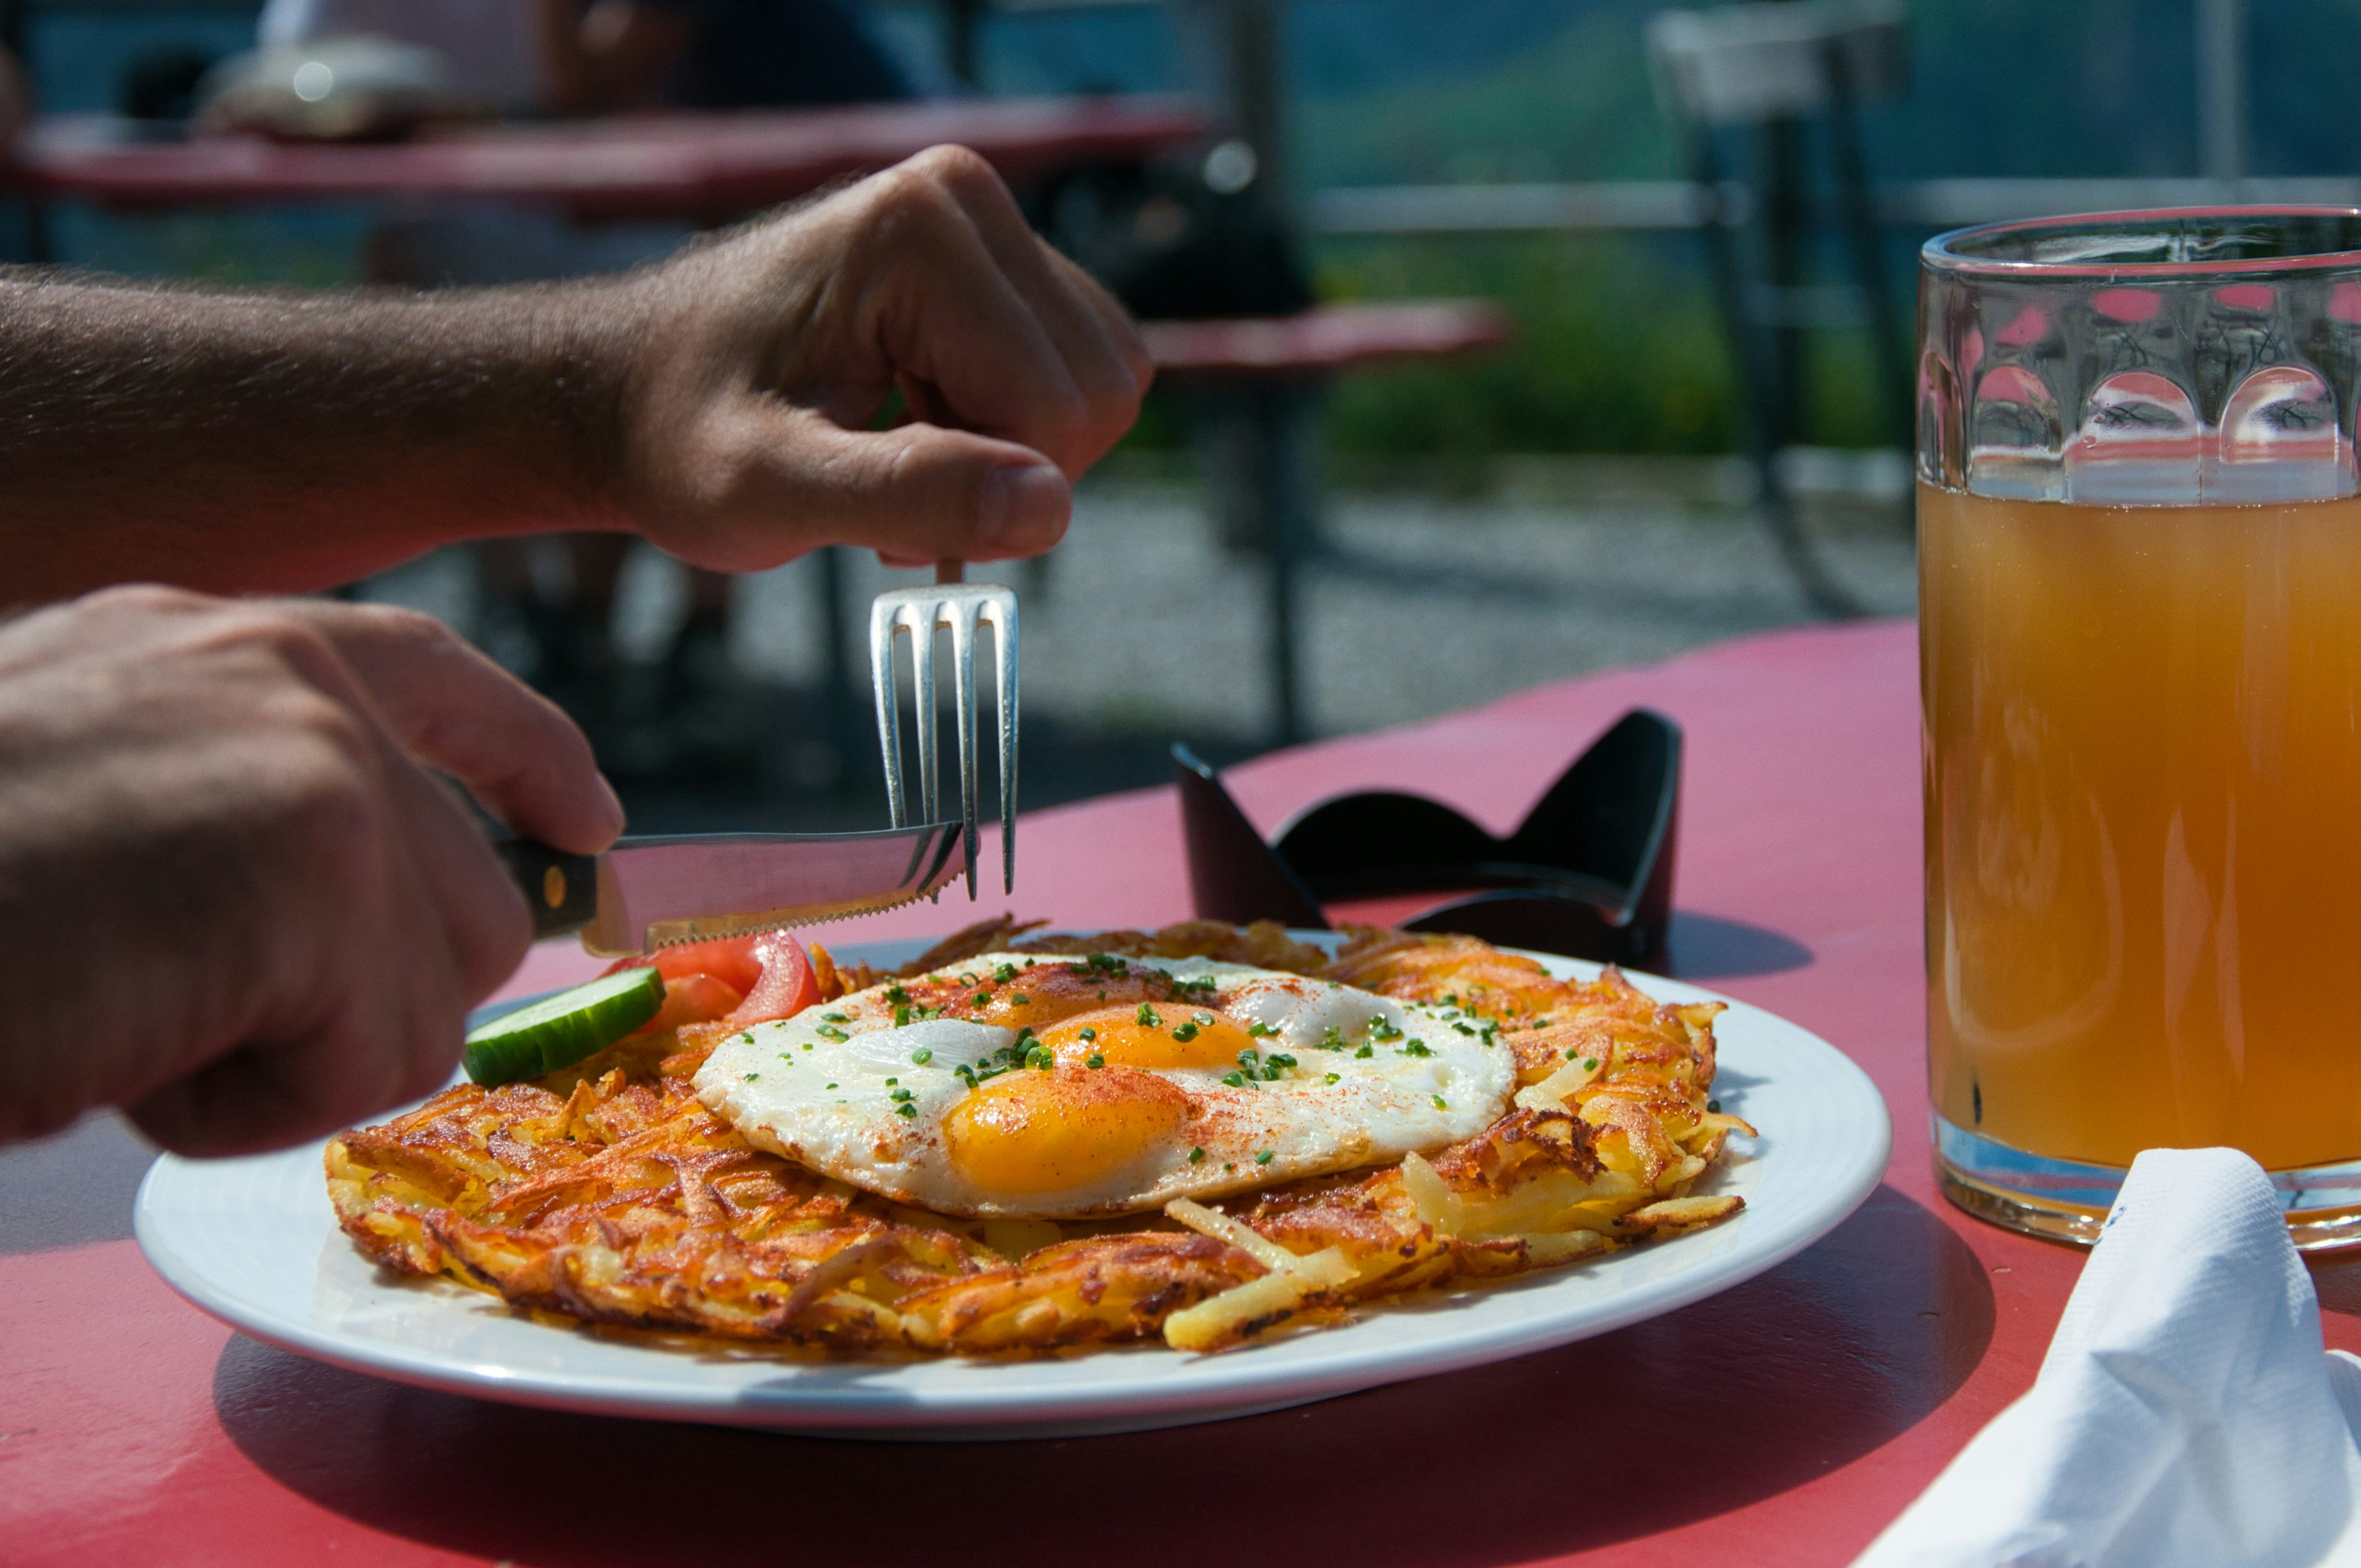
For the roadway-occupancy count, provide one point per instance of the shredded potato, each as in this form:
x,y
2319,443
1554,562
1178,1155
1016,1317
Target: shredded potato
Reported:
x,y
610,1194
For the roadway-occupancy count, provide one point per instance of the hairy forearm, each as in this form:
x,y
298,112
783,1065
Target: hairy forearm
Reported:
x,y
285,440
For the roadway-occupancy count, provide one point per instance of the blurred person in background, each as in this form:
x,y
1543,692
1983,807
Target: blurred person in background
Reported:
x,y
578,57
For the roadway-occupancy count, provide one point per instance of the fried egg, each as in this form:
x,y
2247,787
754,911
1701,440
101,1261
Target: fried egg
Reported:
x,y
1062,1088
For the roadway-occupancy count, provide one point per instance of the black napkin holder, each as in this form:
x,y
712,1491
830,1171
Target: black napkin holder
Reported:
x,y
1588,874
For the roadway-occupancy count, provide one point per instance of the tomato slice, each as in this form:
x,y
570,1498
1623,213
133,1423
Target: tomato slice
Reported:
x,y
732,960
692,999
788,986
769,975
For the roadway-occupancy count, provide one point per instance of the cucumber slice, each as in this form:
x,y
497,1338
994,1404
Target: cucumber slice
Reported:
x,y
560,1030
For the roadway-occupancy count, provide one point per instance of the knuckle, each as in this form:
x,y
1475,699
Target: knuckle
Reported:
x,y
150,599
956,168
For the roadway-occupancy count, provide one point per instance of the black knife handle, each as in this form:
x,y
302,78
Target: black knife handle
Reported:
x,y
561,889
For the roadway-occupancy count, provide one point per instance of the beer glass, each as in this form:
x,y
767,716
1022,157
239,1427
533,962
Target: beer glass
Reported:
x,y
2139,536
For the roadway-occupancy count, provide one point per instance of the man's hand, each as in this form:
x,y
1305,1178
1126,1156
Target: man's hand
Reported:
x,y
231,898
768,357
720,403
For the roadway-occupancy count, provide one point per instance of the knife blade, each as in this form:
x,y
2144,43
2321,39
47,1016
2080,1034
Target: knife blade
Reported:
x,y
653,892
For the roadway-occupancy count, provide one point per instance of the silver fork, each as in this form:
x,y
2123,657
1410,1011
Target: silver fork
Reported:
x,y
961,607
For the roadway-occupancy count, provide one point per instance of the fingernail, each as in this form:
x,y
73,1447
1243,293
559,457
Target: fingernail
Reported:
x,y
1024,505
614,805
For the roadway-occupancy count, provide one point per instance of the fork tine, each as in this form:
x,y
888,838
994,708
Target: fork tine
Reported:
x,y
1003,673
882,619
922,620
962,611
963,624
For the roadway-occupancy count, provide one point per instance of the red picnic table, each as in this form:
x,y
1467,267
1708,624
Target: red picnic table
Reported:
x,y
680,165
1781,1422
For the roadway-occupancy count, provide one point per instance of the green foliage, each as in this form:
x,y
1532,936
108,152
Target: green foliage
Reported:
x,y
1576,105
1618,349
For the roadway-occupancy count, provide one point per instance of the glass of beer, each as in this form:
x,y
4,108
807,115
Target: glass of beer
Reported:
x,y
2139,537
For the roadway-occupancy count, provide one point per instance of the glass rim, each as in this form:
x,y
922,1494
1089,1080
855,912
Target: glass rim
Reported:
x,y
1940,255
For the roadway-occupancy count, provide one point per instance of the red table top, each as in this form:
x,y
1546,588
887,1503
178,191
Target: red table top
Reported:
x,y
1783,1422
1327,337
664,165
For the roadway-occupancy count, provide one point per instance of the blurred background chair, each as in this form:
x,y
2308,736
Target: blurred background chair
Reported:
x,y
1756,91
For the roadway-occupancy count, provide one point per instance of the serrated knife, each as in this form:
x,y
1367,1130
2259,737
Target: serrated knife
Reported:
x,y
648,892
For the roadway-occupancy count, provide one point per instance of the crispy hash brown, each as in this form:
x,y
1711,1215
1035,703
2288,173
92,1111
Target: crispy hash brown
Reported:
x,y
610,1194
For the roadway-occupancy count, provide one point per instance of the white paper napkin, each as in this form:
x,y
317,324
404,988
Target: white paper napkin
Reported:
x,y
2186,1416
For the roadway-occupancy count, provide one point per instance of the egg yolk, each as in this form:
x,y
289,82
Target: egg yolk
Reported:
x,y
1032,1132
1151,1035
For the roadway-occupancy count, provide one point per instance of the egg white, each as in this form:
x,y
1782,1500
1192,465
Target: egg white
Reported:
x,y
831,1105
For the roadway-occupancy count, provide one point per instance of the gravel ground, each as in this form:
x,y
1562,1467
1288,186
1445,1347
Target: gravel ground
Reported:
x,y
1142,628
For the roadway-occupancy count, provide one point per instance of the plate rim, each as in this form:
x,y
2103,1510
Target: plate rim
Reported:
x,y
1219,1385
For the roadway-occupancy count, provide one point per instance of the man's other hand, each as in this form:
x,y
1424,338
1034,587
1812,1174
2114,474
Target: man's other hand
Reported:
x,y
764,360
232,898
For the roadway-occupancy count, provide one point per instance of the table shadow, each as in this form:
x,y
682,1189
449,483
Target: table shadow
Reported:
x,y
1734,1399
1706,946
73,1186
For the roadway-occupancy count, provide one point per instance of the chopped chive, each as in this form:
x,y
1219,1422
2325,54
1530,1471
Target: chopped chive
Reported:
x,y
1332,1078
1589,1064
1089,1033
1184,1033
832,1086
826,1032
1146,1017
901,1093
1039,1058
1365,1052
1018,999
1439,1104
1263,1158
1197,1156
922,1055
979,998
748,1036
1416,1048
1234,1080
753,1076
906,1109
835,1018
1332,1038
1095,1060
901,1017
1203,1020
1257,1029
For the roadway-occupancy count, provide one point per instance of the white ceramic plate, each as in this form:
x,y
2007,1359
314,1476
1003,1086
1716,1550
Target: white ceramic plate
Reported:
x,y
254,1243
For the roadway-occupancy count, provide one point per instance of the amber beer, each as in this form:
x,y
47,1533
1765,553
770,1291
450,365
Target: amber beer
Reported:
x,y
2139,534
2143,792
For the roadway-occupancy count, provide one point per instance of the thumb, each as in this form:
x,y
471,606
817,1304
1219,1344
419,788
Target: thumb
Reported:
x,y
919,492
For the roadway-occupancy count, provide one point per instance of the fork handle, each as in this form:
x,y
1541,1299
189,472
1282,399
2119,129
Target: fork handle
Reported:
x,y
949,572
